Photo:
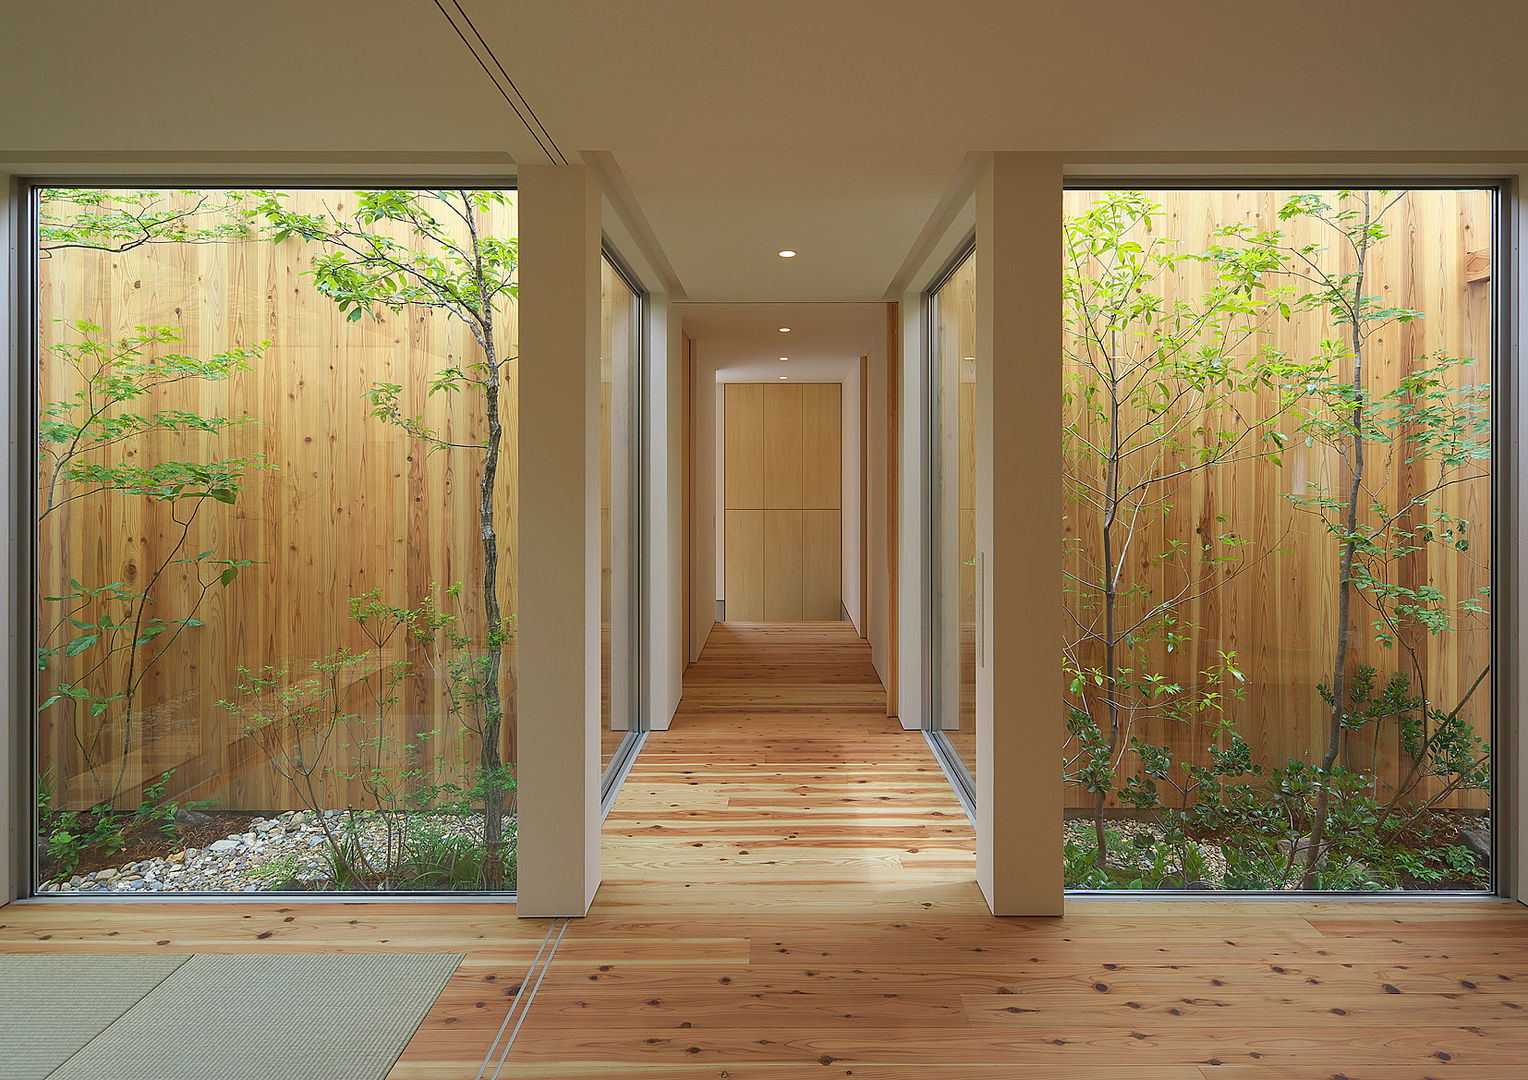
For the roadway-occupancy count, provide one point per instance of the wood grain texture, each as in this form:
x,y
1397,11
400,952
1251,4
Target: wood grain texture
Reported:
x,y
799,459
790,891
784,566
745,564
743,448
782,448
348,504
1279,615
821,572
821,446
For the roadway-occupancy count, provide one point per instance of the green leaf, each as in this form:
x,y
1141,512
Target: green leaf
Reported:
x,y
80,644
228,575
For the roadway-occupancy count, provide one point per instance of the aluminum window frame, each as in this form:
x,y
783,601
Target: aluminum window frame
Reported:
x,y
1505,484
933,633
612,776
22,399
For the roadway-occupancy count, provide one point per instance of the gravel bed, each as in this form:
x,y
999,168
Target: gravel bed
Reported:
x,y
1080,830
235,863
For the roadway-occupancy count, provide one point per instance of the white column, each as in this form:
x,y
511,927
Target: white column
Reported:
x,y
559,541
665,512
1019,725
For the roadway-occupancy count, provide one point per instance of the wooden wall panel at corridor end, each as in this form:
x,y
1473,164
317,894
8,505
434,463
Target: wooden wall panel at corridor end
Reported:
x,y
745,565
821,559
821,453
784,580
743,405
783,467
783,449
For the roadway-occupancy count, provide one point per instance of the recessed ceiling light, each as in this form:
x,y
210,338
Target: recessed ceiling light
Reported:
x,y
783,359
968,358
787,253
784,377
785,329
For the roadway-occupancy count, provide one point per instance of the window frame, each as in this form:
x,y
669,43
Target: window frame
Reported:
x,y
614,775
1507,743
932,631
22,399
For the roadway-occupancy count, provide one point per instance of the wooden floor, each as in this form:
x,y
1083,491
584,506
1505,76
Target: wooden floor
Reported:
x,y
789,892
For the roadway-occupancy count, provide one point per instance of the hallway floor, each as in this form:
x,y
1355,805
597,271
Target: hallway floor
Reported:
x,y
789,892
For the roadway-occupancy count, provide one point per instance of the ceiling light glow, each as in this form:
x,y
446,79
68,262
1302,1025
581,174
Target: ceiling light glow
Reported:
x,y
785,329
787,253
784,377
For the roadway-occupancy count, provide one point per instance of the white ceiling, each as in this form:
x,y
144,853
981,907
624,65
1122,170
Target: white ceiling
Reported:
x,y
829,127
744,343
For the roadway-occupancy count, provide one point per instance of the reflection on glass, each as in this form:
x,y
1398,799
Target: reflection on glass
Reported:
x,y
276,463
619,355
954,357
1277,418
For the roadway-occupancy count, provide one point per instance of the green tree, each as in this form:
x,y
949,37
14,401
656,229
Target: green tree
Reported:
x,y
1430,424
1161,391
448,263
105,638
118,220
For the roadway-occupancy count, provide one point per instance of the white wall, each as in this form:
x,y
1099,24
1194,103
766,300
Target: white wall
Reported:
x,y
877,623
849,495
704,499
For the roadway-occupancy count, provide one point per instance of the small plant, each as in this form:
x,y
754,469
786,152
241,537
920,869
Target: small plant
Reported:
x,y
278,874
99,642
449,264
335,726
69,836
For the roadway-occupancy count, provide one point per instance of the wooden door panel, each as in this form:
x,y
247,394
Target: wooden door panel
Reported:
x,y
745,565
782,566
743,424
821,439
782,447
822,596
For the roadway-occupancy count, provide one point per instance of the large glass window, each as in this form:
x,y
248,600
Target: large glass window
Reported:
x,y
276,591
1278,470
952,579
620,459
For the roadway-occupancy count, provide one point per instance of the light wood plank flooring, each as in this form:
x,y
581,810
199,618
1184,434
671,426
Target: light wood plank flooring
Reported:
x,y
789,892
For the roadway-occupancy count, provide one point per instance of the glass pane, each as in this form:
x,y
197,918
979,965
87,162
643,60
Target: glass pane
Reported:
x,y
955,488
277,463
618,528
1279,520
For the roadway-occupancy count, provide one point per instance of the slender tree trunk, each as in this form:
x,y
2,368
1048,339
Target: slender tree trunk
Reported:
x,y
1344,586
1111,647
493,712
490,758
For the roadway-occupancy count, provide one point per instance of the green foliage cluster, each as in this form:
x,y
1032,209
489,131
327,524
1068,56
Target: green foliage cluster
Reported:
x,y
107,441
336,726
391,250
1164,389
68,835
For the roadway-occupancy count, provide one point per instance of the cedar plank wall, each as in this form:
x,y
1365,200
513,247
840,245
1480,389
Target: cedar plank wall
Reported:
x,y
351,504
1279,618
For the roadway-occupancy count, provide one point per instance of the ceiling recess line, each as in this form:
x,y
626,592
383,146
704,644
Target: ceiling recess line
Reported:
x,y
502,82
